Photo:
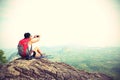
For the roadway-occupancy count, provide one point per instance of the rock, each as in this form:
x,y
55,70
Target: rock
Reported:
x,y
43,69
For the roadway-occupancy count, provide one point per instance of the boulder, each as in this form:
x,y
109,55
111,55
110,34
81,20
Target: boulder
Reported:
x,y
43,69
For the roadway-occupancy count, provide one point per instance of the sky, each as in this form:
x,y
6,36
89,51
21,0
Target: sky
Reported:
x,y
93,23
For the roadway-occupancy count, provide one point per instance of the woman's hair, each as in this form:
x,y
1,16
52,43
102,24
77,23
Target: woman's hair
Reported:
x,y
27,35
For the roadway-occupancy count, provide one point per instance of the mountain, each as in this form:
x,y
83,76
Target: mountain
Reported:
x,y
92,59
43,69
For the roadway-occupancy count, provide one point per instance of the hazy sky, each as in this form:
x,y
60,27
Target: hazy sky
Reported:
x,y
94,23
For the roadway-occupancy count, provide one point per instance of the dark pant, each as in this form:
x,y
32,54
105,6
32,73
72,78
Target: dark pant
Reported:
x,y
34,53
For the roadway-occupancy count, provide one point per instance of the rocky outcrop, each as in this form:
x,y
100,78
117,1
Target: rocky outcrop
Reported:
x,y
43,69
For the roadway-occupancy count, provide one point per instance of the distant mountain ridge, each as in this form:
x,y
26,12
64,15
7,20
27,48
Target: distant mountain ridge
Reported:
x,y
11,53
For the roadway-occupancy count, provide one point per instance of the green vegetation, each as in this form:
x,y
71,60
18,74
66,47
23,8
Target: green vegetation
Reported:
x,y
104,60
2,57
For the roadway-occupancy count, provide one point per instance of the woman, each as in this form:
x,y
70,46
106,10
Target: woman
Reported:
x,y
25,46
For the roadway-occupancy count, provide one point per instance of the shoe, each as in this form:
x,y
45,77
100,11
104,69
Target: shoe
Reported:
x,y
28,58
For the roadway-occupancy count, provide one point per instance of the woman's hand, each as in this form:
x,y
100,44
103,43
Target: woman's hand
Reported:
x,y
37,36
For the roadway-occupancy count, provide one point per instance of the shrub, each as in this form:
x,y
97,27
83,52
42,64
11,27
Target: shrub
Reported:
x,y
2,57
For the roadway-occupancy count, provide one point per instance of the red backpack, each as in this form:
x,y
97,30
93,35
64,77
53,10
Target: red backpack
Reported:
x,y
23,49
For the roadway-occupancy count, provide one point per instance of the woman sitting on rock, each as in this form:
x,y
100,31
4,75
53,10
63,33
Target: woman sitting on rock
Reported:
x,y
25,47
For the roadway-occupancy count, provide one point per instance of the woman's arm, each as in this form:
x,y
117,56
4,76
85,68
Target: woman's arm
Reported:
x,y
36,38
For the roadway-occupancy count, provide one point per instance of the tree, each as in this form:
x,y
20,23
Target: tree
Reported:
x,y
2,57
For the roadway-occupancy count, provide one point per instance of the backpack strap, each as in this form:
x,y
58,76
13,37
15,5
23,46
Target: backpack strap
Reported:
x,y
28,53
29,50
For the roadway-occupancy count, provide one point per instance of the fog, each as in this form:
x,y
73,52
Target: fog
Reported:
x,y
93,23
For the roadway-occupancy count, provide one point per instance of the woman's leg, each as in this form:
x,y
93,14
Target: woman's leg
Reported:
x,y
38,52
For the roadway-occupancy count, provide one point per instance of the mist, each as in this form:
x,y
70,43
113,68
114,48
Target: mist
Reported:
x,y
93,23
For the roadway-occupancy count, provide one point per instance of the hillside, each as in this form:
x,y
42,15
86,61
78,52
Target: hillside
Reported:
x,y
43,69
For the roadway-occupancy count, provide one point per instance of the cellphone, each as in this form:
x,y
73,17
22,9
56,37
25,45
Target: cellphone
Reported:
x,y
37,35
